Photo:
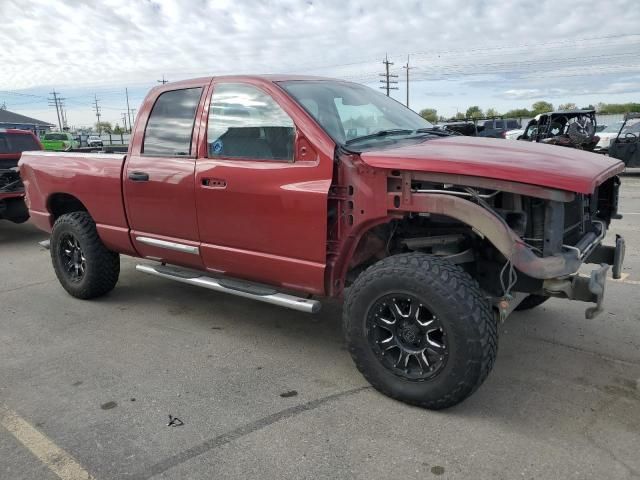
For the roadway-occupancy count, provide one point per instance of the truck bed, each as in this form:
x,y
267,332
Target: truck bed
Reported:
x,y
92,178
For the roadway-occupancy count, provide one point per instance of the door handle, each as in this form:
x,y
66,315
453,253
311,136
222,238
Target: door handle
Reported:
x,y
139,176
214,183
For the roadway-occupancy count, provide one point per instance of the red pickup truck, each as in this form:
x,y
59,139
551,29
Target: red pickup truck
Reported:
x,y
282,189
12,143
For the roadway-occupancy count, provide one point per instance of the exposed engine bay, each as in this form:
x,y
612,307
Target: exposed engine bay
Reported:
x,y
557,235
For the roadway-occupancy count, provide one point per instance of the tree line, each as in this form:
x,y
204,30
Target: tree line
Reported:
x,y
474,111
106,127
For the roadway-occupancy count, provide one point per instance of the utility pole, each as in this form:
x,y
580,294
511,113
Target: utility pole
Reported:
x,y
163,81
56,104
124,121
388,77
63,113
407,67
126,91
96,107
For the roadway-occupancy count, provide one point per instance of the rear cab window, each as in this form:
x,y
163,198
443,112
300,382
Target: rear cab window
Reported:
x,y
170,125
246,123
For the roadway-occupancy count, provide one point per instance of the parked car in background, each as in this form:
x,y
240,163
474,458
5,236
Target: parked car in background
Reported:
x,y
259,186
59,141
496,127
12,144
514,134
94,141
566,128
489,128
626,145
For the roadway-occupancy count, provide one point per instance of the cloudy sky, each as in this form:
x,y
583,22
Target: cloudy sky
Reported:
x,y
503,54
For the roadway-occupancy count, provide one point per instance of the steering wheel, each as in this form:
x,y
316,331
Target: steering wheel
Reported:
x,y
630,135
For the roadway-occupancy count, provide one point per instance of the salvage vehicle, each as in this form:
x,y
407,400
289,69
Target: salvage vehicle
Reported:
x,y
626,145
464,127
258,186
566,128
12,143
59,141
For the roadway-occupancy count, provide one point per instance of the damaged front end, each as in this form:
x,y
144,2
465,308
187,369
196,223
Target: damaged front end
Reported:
x,y
523,240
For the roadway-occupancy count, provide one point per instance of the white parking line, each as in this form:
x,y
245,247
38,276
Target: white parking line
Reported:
x,y
56,459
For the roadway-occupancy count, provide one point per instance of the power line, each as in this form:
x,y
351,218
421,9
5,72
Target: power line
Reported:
x,y
388,77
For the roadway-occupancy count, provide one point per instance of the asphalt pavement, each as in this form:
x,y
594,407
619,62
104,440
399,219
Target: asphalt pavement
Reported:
x,y
87,387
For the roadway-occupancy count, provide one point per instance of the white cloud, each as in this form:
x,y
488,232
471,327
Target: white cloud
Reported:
x,y
102,46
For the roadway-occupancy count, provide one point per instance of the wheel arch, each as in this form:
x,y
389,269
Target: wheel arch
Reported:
x,y
60,203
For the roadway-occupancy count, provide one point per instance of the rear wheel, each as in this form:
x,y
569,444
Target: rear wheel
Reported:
x,y
84,266
420,330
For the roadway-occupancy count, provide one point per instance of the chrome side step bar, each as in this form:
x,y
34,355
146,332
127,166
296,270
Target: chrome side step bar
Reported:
x,y
240,288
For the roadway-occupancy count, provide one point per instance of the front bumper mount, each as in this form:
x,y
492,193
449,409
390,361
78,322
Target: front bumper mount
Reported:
x,y
590,288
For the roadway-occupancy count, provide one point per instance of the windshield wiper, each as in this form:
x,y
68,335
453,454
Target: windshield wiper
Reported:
x,y
401,131
436,131
381,133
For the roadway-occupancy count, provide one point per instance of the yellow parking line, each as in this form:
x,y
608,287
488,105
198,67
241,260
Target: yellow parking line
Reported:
x,y
56,459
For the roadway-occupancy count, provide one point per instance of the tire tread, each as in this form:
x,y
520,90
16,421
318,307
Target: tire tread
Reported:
x,y
458,287
105,263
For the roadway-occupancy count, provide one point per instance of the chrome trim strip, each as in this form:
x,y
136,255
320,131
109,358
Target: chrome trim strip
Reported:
x,y
281,299
178,247
50,153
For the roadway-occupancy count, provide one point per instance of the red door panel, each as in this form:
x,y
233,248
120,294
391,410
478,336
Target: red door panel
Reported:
x,y
163,207
264,221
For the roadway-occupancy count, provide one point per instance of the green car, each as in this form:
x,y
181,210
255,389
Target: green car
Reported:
x,y
59,141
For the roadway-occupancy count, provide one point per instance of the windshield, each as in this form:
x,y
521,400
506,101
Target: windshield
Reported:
x,y
55,136
614,128
347,111
632,126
